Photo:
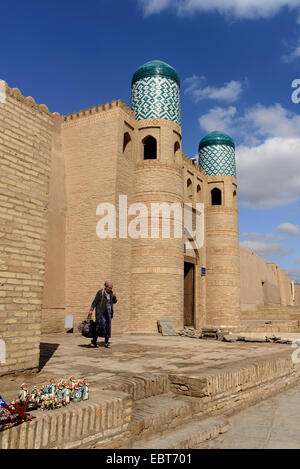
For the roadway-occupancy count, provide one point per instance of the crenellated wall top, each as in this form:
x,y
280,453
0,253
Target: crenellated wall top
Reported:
x,y
99,109
187,162
27,100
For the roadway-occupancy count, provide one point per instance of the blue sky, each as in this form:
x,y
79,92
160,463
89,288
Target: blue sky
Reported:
x,y
236,59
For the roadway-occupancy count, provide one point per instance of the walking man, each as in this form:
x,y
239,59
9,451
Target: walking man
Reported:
x,y
103,303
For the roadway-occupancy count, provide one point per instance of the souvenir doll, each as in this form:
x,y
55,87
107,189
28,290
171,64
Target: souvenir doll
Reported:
x,y
76,397
85,390
52,388
33,399
37,395
80,384
59,395
23,394
58,392
66,393
43,391
73,381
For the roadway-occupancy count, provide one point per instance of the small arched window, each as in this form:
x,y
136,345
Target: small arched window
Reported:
x,y
235,198
126,144
176,149
198,192
189,186
216,196
150,148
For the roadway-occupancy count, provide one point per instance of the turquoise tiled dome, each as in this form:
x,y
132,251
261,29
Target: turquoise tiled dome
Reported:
x,y
217,154
155,92
216,138
156,68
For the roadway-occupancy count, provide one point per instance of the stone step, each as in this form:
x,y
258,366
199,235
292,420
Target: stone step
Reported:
x,y
185,436
138,386
161,412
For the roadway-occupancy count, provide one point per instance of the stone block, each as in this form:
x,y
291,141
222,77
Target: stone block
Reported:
x,y
165,326
210,330
230,338
220,335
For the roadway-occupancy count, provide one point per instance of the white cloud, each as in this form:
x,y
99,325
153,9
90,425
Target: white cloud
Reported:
x,y
257,123
288,228
272,121
266,249
250,9
262,237
218,118
194,82
230,92
269,174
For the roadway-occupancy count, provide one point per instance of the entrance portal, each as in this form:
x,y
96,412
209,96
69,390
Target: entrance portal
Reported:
x,y
189,294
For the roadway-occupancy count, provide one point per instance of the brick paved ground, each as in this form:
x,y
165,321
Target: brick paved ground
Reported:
x,y
63,355
273,424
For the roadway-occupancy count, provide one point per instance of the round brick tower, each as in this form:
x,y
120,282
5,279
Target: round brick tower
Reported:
x,y
217,159
157,260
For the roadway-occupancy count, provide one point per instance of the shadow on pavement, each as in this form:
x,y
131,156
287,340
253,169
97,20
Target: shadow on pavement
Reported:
x,y
46,352
99,344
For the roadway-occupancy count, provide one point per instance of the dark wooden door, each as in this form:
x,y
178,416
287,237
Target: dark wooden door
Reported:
x,y
188,294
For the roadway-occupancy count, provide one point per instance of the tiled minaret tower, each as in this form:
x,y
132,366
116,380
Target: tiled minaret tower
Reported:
x,y
155,92
217,158
157,261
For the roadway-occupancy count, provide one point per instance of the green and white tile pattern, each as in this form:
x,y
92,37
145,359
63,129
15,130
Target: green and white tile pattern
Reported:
x,y
218,160
156,97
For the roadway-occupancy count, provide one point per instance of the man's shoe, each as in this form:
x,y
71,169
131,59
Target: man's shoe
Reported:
x,y
107,345
94,344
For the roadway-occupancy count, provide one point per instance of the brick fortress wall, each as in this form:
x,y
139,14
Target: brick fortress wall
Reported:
x,y
262,283
98,170
297,294
26,131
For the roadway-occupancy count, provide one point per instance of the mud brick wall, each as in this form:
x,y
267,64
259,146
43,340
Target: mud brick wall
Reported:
x,y
262,283
26,131
97,171
297,294
53,308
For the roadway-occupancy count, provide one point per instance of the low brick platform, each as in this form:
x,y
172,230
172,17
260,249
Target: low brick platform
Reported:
x,y
148,385
103,420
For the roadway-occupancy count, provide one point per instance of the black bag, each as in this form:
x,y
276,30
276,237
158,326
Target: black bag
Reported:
x,y
87,328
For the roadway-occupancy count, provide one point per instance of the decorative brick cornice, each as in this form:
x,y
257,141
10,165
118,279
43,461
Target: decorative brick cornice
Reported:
x,y
158,122
157,165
